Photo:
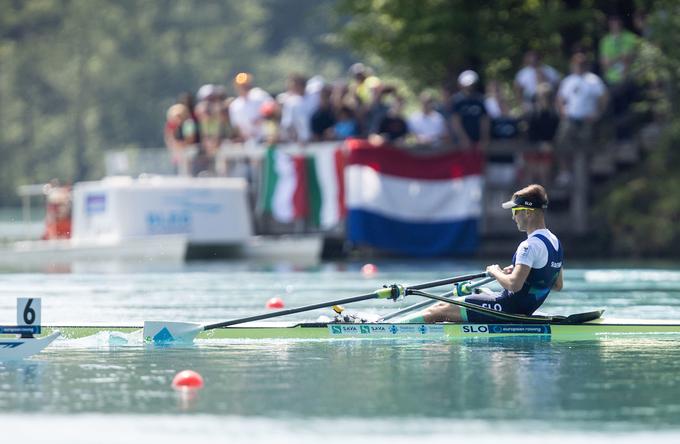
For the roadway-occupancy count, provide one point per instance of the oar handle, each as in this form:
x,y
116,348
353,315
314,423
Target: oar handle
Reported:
x,y
447,281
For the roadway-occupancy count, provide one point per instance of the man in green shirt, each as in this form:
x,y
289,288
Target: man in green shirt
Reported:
x,y
617,51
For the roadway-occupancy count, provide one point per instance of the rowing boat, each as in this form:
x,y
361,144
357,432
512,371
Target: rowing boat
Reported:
x,y
587,325
591,329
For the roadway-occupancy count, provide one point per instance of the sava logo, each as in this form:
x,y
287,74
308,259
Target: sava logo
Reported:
x,y
345,330
556,264
374,329
383,330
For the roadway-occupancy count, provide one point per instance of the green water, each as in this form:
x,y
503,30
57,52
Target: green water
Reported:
x,y
366,390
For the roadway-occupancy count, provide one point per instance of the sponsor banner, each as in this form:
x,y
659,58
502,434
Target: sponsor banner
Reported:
x,y
385,330
505,329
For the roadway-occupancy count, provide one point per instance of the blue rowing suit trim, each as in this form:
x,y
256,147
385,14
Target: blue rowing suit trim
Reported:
x,y
533,293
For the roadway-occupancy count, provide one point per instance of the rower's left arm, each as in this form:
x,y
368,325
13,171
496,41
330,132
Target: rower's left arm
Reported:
x,y
557,286
512,281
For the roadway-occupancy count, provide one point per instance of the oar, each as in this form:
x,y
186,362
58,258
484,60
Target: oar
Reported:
x,y
576,318
167,331
425,304
488,311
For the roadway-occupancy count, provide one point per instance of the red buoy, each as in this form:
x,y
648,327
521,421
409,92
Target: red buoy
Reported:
x,y
274,303
187,379
369,270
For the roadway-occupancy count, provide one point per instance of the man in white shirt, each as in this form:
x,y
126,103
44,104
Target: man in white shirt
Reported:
x,y
244,110
582,94
295,115
581,101
530,76
428,125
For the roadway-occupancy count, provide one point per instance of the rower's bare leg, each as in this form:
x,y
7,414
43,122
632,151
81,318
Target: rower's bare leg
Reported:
x,y
440,312
443,312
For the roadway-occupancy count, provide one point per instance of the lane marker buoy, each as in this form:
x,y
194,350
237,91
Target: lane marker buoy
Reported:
x,y
369,270
187,379
274,303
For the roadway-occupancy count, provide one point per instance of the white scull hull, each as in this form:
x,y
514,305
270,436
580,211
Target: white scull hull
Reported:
x,y
21,348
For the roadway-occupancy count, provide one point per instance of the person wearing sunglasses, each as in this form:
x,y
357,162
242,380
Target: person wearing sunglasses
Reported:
x,y
536,268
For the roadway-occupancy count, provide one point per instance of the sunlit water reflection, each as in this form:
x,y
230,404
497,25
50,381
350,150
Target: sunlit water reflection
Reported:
x,y
525,388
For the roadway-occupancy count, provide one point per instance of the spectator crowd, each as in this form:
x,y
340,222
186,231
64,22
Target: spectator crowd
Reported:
x,y
556,114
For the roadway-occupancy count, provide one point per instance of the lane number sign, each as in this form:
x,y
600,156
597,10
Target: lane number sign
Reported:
x,y
28,311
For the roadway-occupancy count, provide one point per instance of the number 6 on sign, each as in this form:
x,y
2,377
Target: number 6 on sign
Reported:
x,y
28,311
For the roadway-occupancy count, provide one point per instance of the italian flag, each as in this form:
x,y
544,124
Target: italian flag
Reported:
x,y
304,186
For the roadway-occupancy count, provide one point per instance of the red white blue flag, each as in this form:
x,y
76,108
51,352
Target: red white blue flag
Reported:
x,y
413,204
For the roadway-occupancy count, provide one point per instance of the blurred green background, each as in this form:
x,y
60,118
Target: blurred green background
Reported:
x,y
79,77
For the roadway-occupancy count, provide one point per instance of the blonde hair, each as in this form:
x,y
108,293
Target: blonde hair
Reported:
x,y
177,110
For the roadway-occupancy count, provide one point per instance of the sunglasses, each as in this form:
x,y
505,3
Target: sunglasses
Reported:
x,y
516,209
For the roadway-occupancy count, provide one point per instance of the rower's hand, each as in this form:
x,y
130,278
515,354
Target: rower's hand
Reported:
x,y
508,269
494,270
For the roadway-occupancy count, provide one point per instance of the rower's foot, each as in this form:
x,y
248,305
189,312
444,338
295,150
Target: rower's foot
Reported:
x,y
351,318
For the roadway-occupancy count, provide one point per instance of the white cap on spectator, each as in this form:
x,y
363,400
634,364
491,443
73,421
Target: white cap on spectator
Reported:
x,y
468,78
314,84
204,92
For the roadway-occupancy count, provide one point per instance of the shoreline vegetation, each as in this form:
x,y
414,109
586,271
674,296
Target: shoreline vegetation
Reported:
x,y
89,76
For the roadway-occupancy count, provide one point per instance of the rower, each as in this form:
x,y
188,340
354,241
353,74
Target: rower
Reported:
x,y
536,268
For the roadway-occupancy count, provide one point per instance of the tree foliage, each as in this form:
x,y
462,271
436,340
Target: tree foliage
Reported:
x,y
433,40
642,210
78,77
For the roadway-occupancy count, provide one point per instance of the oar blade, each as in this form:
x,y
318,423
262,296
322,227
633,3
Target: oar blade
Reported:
x,y
167,332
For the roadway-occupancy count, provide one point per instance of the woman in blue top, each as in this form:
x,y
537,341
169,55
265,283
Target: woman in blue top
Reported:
x,y
536,267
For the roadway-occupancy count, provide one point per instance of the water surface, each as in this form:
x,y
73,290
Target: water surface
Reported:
x,y
624,388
